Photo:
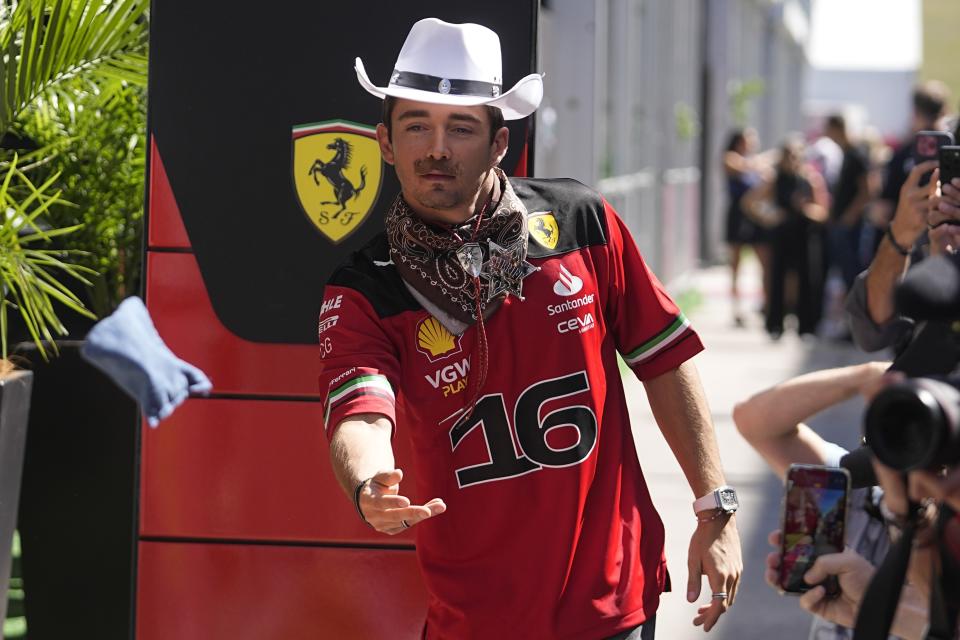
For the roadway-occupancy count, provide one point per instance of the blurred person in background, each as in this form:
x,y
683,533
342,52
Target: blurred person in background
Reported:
x,y
790,204
918,228
930,100
878,154
850,195
826,157
744,169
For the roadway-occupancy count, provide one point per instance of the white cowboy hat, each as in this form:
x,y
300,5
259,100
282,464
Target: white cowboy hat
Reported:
x,y
457,64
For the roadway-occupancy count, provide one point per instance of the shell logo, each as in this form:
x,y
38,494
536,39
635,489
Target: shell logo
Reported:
x,y
435,341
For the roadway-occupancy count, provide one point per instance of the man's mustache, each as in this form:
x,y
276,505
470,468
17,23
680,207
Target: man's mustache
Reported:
x,y
423,167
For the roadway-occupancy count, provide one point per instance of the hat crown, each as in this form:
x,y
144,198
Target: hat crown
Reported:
x,y
456,51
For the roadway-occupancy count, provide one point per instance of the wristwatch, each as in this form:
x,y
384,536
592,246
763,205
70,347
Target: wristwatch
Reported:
x,y
723,498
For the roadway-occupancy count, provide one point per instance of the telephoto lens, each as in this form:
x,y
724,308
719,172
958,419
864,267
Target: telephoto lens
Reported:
x,y
915,424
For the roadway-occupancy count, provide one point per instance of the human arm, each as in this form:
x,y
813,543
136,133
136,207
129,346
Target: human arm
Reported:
x,y
854,210
889,265
360,452
757,205
735,163
657,342
772,420
680,409
359,370
816,208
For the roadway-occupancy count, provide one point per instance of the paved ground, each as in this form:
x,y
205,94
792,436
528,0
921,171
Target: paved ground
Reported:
x,y
736,363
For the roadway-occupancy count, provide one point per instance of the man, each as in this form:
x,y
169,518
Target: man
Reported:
x,y
492,345
924,221
849,197
929,101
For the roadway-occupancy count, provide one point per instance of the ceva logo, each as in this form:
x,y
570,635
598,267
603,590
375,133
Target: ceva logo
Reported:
x,y
567,284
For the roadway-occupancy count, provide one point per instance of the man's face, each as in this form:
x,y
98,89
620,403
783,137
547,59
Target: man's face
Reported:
x,y
443,156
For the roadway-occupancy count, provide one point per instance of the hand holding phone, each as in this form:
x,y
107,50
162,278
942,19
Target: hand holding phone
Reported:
x,y
949,157
814,520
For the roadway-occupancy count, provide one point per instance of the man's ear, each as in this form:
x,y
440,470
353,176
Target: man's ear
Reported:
x,y
386,147
501,141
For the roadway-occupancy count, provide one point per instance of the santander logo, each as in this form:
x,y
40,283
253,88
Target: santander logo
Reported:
x,y
567,284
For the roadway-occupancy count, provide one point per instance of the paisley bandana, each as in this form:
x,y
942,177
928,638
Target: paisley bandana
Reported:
x,y
442,262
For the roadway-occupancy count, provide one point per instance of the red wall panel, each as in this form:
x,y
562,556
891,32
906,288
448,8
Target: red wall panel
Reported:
x,y
247,592
185,319
249,470
166,226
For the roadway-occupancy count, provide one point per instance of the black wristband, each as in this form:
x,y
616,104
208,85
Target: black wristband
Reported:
x,y
356,498
896,245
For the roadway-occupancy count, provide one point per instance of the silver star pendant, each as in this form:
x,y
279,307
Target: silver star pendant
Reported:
x,y
505,270
470,257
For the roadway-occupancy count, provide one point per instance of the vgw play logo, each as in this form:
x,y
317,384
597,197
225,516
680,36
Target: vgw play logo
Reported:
x,y
337,172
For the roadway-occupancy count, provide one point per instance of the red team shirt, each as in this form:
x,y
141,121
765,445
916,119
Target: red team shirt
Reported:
x,y
550,531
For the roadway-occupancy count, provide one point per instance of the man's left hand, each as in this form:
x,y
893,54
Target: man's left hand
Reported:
x,y
714,551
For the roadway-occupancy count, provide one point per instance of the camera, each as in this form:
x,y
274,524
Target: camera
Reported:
x,y
915,424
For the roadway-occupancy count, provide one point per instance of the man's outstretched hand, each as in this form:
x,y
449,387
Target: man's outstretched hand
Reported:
x,y
389,512
714,552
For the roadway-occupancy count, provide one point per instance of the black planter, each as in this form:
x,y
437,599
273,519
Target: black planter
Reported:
x,y
14,409
77,504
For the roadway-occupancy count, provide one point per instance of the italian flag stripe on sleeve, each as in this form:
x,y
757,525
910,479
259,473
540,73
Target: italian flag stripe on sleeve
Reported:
x,y
659,342
360,385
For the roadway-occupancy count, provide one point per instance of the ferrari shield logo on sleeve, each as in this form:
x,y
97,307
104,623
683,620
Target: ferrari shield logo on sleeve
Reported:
x,y
543,228
337,172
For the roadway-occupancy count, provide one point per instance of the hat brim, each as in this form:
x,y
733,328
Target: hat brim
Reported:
x,y
520,101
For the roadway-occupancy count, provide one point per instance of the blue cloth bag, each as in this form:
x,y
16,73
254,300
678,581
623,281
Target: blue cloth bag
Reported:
x,y
126,346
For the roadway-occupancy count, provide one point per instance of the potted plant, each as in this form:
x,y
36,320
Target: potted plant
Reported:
x,y
70,69
31,287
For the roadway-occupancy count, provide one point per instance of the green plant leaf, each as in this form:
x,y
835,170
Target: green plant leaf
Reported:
x,y
26,281
48,42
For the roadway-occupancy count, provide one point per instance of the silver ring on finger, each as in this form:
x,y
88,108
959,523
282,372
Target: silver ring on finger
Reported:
x,y
406,525
720,595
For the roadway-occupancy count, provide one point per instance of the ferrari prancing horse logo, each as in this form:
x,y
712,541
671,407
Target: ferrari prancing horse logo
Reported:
x,y
337,172
544,229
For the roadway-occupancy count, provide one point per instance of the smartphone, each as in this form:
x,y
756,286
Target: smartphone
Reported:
x,y
814,520
927,145
949,163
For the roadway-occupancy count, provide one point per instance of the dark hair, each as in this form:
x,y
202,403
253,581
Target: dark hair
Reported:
x,y
389,102
930,99
737,137
837,121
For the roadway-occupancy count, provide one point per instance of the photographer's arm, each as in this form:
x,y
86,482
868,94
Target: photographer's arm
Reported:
x,y
889,263
772,420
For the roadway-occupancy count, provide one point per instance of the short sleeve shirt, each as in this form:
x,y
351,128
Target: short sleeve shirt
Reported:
x,y
550,531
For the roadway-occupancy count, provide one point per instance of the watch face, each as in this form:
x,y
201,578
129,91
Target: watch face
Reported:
x,y
728,500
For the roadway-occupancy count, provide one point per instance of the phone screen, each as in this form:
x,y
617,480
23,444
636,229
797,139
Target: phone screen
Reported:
x,y
815,512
